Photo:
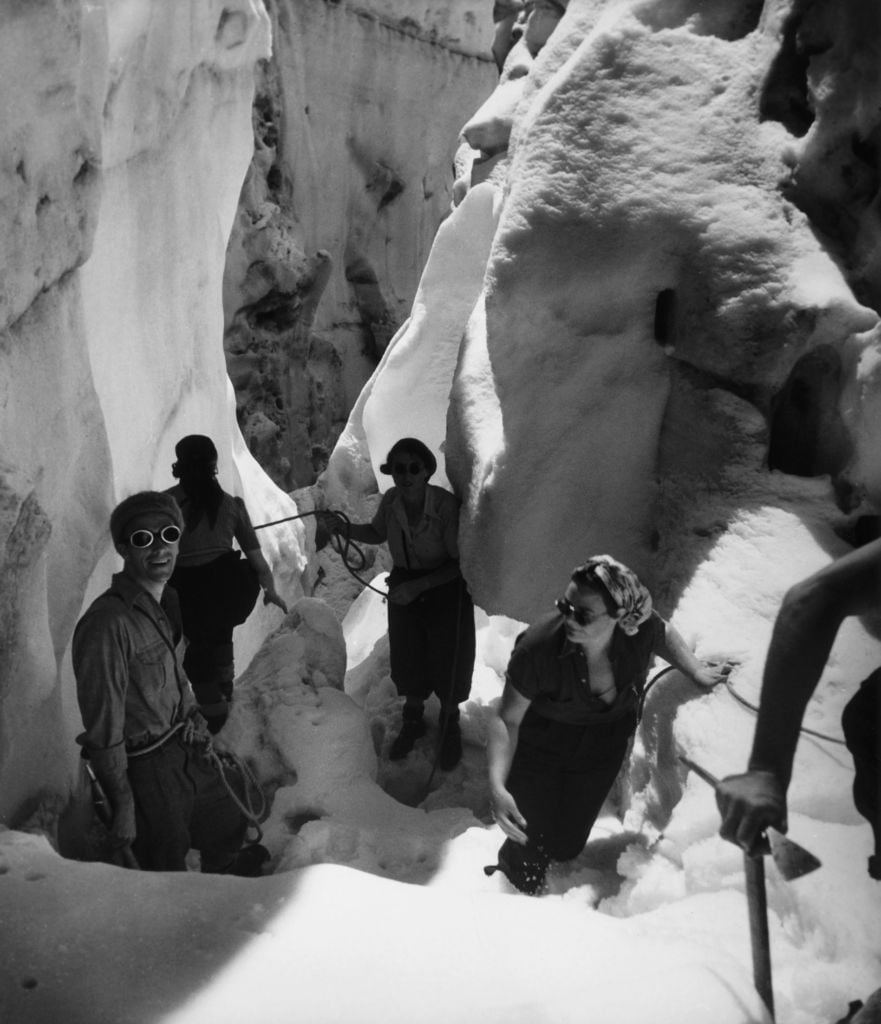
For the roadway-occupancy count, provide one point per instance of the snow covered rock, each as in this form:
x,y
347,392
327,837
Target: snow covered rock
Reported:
x,y
356,123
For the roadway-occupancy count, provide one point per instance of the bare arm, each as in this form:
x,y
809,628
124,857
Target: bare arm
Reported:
x,y
361,533
111,769
672,648
804,631
264,574
502,736
364,533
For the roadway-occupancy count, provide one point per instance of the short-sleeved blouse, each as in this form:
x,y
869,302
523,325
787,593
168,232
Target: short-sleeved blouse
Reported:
x,y
432,541
204,542
548,669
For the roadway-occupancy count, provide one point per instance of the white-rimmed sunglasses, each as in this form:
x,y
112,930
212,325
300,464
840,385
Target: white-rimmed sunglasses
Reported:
x,y
146,538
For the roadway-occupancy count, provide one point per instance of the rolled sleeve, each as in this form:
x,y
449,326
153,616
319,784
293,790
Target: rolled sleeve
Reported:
x,y
521,673
100,663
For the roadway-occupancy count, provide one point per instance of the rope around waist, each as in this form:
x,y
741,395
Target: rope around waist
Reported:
x,y
153,745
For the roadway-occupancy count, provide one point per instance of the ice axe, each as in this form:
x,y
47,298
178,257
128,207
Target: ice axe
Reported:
x,y
792,861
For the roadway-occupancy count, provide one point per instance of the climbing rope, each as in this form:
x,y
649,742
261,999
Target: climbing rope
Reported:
x,y
445,724
344,547
740,700
141,751
754,708
227,760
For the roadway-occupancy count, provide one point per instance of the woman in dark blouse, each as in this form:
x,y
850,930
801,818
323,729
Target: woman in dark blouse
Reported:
x,y
568,710
216,586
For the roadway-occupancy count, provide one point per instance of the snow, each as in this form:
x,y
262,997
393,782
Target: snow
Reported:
x,y
378,908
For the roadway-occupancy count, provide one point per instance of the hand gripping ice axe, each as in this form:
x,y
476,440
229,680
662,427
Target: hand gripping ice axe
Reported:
x,y
792,862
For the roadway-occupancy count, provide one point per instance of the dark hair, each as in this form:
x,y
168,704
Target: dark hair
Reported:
x,y
141,504
586,576
414,447
196,468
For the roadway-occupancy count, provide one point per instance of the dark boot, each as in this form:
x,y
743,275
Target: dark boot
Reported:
x,y
451,742
250,861
412,729
525,867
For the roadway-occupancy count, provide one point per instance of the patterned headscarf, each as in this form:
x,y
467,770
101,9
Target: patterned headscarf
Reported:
x,y
624,587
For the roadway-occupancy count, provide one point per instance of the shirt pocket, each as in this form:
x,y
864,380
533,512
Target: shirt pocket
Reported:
x,y
151,654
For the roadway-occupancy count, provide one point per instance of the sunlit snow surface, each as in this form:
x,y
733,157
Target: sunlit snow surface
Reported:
x,y
648,925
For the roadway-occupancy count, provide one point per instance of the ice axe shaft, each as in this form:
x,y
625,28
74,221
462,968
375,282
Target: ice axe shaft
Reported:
x,y
760,942
792,860
757,904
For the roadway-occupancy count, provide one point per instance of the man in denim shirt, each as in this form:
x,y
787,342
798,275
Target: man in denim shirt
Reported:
x,y
144,735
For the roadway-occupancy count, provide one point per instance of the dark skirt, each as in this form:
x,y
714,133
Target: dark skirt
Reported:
x,y
431,640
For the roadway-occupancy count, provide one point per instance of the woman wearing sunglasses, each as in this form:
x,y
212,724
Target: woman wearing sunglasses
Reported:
x,y
216,587
569,708
430,613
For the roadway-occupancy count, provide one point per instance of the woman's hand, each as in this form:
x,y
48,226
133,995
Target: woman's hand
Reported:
x,y
507,815
272,596
405,593
711,674
330,522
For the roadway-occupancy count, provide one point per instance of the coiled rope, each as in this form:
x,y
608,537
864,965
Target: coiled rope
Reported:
x,y
345,547
223,762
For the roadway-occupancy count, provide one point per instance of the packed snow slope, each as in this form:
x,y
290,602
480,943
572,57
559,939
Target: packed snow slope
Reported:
x,y
378,909
649,327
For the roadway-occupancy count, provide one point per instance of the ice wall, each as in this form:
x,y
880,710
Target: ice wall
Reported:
x,y
677,322
356,122
126,134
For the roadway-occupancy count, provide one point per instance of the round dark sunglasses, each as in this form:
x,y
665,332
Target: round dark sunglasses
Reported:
x,y
145,538
400,468
581,615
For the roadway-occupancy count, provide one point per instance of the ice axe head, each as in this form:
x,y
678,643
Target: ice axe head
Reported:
x,y
791,860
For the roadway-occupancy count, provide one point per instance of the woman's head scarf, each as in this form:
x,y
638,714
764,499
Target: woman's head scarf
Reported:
x,y
633,601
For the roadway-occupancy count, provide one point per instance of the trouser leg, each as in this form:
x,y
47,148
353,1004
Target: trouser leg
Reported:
x,y
560,777
218,825
208,663
582,795
533,781
861,722
407,646
584,783
450,637
164,796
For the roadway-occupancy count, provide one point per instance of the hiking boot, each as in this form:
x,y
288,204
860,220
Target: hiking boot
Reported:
x,y
451,745
249,861
526,874
411,730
